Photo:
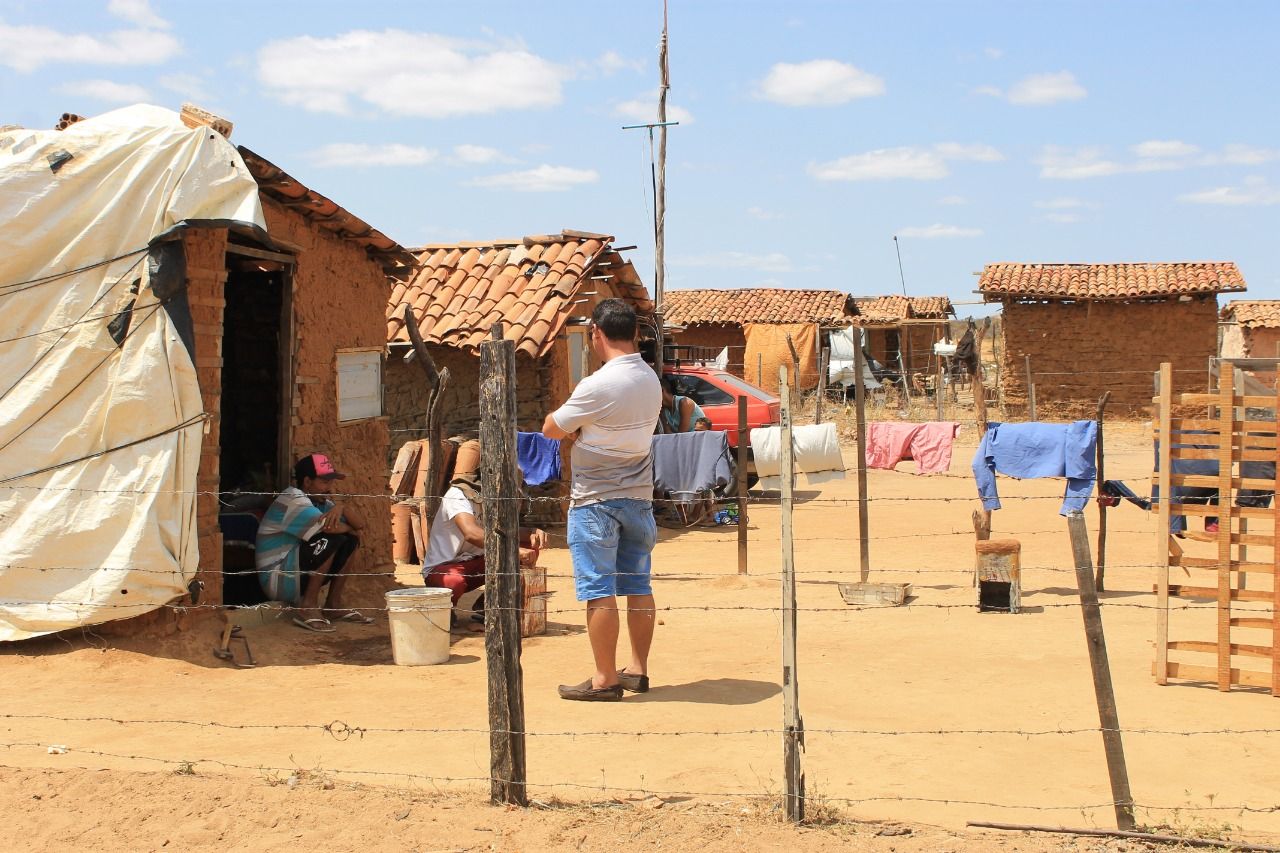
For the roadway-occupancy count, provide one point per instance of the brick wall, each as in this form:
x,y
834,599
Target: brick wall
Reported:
x,y
1261,343
339,301
1080,350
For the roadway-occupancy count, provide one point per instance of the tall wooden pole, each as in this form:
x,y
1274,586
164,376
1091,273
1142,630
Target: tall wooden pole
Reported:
x,y
437,382
499,486
792,724
1163,481
1103,692
660,197
822,384
742,485
1031,392
1102,506
860,406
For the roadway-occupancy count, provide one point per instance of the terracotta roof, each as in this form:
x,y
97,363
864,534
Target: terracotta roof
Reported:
x,y
1108,281
756,305
277,184
888,310
531,285
1254,313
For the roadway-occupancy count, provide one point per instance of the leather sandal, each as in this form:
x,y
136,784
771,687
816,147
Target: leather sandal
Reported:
x,y
632,682
584,692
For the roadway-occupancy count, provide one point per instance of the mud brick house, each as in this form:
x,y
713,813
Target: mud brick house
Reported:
x,y
900,331
1091,328
1251,328
215,319
754,322
542,288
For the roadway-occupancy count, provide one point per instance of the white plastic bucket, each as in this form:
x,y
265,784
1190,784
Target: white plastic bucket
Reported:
x,y
419,618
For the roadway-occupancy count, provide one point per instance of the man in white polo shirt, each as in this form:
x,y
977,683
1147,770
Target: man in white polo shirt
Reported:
x,y
611,417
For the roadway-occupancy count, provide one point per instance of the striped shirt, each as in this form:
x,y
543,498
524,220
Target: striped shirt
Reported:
x,y
291,519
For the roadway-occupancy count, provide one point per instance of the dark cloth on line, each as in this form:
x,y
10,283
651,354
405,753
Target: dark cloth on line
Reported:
x,y
967,353
1204,495
538,457
691,461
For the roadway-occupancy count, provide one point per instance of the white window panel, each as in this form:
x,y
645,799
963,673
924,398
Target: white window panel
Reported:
x,y
359,385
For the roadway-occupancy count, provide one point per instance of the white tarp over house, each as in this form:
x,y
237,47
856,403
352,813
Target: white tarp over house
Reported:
x,y
100,415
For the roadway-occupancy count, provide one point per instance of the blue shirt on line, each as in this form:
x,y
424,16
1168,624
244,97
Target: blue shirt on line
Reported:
x,y
1033,450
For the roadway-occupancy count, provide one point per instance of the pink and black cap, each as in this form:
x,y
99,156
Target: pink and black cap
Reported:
x,y
317,466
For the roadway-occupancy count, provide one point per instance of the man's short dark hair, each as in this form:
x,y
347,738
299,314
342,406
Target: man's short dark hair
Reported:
x,y
616,319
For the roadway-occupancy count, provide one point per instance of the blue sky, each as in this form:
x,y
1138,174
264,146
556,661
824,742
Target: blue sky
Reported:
x,y
811,132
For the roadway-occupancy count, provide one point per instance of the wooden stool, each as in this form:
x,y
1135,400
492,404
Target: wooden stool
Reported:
x,y
997,575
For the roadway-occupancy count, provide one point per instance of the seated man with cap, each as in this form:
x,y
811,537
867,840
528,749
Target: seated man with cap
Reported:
x,y
305,541
455,547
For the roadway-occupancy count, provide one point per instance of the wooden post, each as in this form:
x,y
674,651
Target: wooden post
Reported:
x,y
437,381
1226,413
792,724
742,485
1108,718
1102,506
822,384
860,407
795,372
759,370
1031,392
1275,560
1242,549
499,485
979,388
1164,406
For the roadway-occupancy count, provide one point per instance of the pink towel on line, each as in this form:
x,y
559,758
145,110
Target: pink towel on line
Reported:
x,y
929,444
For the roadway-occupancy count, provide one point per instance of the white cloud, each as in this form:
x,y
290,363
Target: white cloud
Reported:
x,y
544,178
107,90
611,62
1039,89
28,48
644,109
952,200
760,262
340,154
1063,218
763,215
189,86
1165,148
818,83
993,52
938,230
1248,155
479,154
138,13
408,73
909,162
976,153
1254,191
1062,163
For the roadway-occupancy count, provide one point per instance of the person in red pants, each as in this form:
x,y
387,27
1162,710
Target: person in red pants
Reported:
x,y
455,549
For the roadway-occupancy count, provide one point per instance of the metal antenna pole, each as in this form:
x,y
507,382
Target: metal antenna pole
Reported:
x,y
900,275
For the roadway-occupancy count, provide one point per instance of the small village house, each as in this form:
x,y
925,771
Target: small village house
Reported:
x,y
542,288
1090,328
276,351
753,323
900,331
1251,328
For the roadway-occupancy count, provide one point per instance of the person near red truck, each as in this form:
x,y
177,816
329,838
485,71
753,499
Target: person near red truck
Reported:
x,y
610,418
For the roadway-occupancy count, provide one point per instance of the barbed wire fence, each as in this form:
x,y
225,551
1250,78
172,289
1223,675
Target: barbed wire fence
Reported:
x,y
508,786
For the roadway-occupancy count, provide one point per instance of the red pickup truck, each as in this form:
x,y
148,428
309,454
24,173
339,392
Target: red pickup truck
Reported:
x,y
717,391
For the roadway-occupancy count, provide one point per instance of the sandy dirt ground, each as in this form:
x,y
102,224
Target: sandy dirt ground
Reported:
x,y
929,715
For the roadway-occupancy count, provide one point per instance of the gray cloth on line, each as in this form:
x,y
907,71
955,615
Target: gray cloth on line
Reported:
x,y
691,461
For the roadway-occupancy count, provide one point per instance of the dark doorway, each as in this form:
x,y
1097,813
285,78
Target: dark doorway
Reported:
x,y
250,423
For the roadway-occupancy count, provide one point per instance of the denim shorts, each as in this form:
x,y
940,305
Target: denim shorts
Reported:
x,y
610,543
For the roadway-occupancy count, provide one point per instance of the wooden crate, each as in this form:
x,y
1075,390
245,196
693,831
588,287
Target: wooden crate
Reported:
x,y
892,594
997,575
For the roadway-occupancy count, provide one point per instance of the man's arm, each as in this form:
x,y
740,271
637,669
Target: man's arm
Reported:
x,y
686,414
552,430
470,529
533,537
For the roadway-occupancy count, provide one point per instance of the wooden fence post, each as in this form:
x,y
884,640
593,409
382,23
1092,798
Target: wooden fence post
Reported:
x,y
1031,392
437,382
860,408
822,384
742,485
1163,481
759,370
795,372
1108,718
1102,506
792,724
499,487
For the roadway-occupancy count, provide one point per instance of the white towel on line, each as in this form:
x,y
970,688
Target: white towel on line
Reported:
x,y
816,449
